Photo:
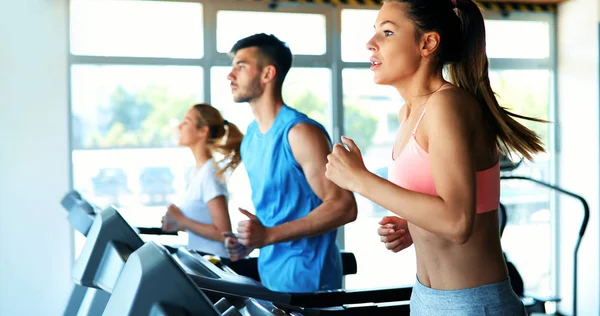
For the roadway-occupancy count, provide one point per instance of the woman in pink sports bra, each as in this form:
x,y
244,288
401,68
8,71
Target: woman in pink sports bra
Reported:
x,y
444,178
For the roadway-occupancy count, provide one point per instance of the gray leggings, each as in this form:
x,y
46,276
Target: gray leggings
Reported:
x,y
496,299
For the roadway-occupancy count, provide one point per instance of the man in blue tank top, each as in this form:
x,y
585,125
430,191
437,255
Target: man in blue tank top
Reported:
x,y
285,152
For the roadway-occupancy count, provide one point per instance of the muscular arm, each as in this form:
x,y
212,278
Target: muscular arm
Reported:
x,y
451,214
220,218
310,148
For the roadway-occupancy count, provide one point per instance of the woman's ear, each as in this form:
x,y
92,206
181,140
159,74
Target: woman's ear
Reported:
x,y
203,131
430,42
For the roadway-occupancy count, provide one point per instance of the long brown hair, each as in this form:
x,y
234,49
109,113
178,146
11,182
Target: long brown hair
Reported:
x,y
224,137
462,49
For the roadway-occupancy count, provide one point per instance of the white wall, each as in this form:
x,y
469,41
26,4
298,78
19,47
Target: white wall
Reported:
x,y
35,239
578,80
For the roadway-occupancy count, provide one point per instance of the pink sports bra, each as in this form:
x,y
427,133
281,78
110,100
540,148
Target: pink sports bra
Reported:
x,y
412,171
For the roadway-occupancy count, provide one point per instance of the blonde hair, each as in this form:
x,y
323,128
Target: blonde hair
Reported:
x,y
224,137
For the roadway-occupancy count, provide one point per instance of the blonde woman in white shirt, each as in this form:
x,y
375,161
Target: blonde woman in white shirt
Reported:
x,y
203,211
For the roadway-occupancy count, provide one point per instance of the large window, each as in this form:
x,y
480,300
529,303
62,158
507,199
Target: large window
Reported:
x,y
132,82
126,102
123,129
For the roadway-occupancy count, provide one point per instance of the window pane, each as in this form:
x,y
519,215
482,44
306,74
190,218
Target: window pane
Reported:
x,y
525,92
517,39
141,183
357,29
528,206
306,89
130,106
123,136
309,39
371,119
137,29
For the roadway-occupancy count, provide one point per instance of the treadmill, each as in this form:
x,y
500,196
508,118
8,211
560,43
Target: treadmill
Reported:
x,y
157,280
111,241
152,283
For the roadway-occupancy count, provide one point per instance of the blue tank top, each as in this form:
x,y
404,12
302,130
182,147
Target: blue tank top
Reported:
x,y
280,194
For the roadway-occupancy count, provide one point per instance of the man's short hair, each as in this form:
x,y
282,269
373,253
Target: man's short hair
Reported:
x,y
273,51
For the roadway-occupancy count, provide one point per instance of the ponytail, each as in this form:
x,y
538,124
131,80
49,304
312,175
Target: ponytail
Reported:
x,y
470,72
229,147
224,138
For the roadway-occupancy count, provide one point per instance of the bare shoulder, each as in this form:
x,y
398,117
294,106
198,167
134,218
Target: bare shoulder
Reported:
x,y
306,137
453,105
306,132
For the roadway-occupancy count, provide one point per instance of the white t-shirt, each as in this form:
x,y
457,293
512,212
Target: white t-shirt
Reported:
x,y
202,188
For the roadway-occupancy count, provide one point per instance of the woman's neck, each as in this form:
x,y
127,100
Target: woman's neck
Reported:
x,y
417,89
201,154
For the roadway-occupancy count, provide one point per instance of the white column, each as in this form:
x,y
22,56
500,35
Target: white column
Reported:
x,y
35,238
578,114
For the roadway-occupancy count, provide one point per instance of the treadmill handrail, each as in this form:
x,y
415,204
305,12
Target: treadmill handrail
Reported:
x,y
344,297
582,228
153,231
